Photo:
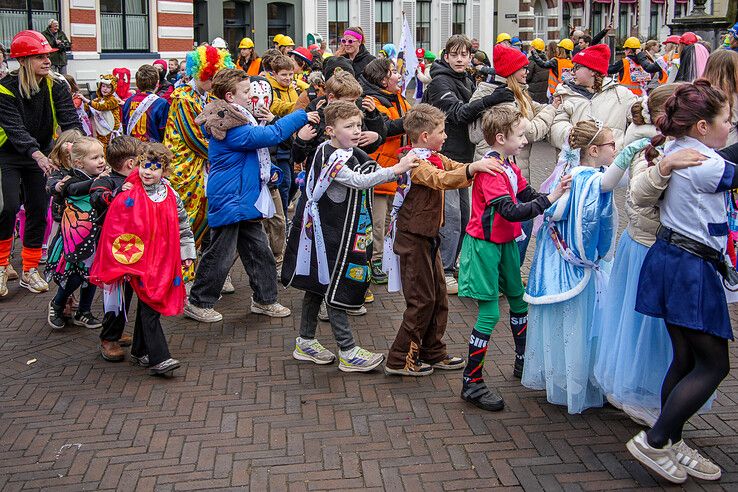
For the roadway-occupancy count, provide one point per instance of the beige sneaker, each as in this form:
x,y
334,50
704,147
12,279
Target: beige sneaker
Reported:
x,y
452,286
203,315
695,464
661,461
12,274
32,281
228,287
275,310
3,281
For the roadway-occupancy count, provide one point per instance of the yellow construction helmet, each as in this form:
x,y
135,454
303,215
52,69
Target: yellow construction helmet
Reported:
x,y
276,39
245,43
567,44
633,43
286,41
503,36
538,44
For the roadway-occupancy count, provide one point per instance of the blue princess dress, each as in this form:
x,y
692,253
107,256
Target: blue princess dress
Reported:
x,y
566,279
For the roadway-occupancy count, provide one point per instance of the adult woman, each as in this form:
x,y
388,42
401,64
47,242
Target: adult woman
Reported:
x,y
32,105
248,59
722,72
537,78
559,65
591,96
352,47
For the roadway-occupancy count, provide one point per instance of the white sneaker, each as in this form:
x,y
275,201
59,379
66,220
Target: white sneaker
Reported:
x,y
33,281
643,416
356,312
358,360
662,461
204,315
323,313
452,286
3,281
695,464
275,310
312,350
228,287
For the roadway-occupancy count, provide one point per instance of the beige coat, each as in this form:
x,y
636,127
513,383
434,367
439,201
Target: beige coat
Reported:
x,y
641,201
543,115
611,106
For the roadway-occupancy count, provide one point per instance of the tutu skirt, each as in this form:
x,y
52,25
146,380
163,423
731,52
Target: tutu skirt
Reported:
x,y
560,349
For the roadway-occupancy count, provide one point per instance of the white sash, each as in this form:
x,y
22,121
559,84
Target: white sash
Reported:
x,y
85,120
102,123
140,110
311,216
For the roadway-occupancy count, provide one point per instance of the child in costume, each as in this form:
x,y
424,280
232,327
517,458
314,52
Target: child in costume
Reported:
x,y
570,272
145,113
634,350
186,140
334,218
489,260
416,217
684,276
122,157
73,248
79,105
146,239
239,196
105,109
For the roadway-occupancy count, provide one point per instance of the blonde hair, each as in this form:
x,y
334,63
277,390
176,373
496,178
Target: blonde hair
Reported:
x,y
27,82
525,103
343,85
61,155
83,146
586,133
499,120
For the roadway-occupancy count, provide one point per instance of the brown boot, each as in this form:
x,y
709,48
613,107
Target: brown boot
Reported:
x,y
111,351
125,340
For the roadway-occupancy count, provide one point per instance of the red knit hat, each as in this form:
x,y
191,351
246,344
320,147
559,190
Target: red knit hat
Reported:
x,y
507,61
595,57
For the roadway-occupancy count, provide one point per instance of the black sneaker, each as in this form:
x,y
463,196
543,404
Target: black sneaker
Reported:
x,y
480,396
142,361
378,276
518,367
88,320
164,367
56,318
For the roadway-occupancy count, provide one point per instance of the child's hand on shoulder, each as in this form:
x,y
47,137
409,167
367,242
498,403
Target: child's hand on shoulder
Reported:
x,y
408,162
307,133
488,165
126,186
313,117
563,186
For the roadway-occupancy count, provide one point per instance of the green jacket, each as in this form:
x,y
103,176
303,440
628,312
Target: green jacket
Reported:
x,y
58,58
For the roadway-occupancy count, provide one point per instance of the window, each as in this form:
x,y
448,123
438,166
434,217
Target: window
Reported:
x,y
680,8
423,24
597,24
200,21
124,25
540,20
458,25
338,21
236,23
281,19
566,19
655,20
382,22
18,15
624,23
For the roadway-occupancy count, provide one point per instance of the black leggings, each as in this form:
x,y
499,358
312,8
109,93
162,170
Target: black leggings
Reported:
x,y
29,178
700,363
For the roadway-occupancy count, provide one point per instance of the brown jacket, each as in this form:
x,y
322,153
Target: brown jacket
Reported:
x,y
422,211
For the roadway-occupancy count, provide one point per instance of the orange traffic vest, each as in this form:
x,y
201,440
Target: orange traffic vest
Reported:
x,y
635,77
555,78
387,155
254,67
665,73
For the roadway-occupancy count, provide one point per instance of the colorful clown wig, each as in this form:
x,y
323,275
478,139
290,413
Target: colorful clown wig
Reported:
x,y
205,61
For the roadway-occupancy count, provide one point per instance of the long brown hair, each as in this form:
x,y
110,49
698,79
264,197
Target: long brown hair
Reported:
x,y
722,72
656,100
525,102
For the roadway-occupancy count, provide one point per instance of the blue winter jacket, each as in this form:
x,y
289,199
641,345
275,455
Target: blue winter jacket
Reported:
x,y
233,183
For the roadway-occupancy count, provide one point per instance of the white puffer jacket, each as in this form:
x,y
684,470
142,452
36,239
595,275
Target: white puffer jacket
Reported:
x,y
540,118
611,106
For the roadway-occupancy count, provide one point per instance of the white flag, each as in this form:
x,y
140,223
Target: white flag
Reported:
x,y
407,46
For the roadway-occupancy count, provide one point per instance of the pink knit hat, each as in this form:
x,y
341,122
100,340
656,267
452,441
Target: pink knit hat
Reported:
x,y
507,61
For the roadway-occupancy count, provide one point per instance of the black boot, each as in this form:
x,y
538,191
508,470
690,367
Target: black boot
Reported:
x,y
474,390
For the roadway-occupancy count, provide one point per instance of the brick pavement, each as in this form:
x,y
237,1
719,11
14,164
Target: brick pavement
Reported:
x,y
242,414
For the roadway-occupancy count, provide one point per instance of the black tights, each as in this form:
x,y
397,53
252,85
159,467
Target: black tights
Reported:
x,y
700,363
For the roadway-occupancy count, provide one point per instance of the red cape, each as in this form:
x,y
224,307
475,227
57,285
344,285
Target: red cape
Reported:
x,y
140,241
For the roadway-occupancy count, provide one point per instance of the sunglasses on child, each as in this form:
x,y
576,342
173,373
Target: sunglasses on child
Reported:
x,y
151,165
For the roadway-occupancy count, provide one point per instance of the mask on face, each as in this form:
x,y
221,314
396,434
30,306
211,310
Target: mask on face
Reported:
x,y
261,94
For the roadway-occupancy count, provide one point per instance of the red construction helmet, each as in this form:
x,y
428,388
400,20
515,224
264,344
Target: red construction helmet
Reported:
x,y
303,53
420,53
29,43
688,38
673,39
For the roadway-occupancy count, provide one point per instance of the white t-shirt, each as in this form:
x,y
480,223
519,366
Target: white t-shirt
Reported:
x,y
694,204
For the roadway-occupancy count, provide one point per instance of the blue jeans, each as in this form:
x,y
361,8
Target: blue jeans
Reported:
x,y
284,163
456,208
523,245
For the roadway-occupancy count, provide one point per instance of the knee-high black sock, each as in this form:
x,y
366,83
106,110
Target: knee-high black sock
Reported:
x,y
478,342
519,327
